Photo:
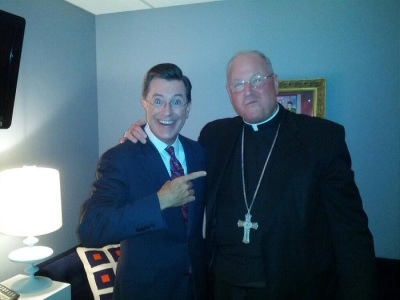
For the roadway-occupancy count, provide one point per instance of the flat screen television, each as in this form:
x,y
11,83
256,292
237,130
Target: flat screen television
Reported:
x,y
12,29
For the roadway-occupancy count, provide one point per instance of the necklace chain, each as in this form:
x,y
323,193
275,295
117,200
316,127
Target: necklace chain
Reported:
x,y
262,173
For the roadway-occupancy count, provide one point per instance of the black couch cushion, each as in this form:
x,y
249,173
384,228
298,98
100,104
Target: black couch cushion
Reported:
x,y
388,278
68,267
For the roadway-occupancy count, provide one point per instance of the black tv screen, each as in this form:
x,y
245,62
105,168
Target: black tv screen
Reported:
x,y
12,29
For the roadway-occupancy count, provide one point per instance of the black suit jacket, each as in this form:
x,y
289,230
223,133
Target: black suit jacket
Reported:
x,y
316,244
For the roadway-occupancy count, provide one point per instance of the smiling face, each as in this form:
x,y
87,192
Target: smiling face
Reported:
x,y
166,121
254,105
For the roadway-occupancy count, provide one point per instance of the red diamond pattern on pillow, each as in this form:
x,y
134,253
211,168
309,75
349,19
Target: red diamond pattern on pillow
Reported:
x,y
100,266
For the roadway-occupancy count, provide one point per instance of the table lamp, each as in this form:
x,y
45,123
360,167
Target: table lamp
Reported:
x,y
30,201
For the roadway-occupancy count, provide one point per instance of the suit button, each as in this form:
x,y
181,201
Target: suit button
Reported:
x,y
188,272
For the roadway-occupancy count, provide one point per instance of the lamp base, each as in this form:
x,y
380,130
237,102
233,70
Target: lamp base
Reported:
x,y
31,255
31,284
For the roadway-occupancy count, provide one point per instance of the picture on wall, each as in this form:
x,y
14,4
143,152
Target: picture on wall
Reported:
x,y
303,96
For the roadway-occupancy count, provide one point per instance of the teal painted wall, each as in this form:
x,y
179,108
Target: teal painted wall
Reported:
x,y
55,114
80,81
354,44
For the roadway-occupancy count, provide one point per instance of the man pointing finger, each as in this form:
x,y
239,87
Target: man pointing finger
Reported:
x,y
143,200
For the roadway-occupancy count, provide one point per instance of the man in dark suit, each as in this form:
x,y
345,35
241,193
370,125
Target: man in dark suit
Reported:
x,y
284,215
136,202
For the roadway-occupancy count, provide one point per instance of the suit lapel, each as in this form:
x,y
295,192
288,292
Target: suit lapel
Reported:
x,y
282,165
288,143
225,150
193,163
151,163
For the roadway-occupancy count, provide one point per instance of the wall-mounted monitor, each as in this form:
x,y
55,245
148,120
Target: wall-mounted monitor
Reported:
x,y
12,29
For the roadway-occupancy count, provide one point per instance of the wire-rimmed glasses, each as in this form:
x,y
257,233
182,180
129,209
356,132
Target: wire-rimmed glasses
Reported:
x,y
176,103
255,81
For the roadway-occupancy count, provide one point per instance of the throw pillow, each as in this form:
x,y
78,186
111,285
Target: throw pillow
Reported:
x,y
100,266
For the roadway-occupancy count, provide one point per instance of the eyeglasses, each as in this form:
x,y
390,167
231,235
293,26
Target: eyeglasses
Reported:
x,y
256,81
160,103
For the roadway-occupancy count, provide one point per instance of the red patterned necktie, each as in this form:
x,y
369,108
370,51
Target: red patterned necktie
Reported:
x,y
176,171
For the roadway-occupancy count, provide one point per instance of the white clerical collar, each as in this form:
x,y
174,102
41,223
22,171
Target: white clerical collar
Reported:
x,y
255,126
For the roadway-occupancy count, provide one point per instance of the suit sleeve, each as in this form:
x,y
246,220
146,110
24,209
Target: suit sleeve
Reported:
x,y
111,214
353,242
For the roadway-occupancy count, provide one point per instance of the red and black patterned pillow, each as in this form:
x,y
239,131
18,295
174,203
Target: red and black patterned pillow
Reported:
x,y
100,266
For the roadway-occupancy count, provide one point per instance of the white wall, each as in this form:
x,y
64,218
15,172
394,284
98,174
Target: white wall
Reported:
x,y
355,45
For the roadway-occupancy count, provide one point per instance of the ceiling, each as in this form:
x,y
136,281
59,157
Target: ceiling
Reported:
x,y
99,7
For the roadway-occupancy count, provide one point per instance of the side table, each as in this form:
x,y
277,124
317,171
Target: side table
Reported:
x,y
57,290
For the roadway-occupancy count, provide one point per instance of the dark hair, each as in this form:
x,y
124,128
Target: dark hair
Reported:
x,y
166,71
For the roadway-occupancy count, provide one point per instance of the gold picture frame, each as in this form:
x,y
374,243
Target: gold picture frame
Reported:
x,y
303,96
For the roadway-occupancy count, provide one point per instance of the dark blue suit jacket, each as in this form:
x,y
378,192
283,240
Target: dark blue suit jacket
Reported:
x,y
160,255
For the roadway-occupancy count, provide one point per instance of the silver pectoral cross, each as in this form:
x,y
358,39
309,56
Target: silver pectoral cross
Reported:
x,y
247,225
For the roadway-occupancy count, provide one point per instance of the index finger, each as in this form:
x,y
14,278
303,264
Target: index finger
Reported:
x,y
194,175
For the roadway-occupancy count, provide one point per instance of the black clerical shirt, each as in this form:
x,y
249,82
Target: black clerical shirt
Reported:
x,y
238,263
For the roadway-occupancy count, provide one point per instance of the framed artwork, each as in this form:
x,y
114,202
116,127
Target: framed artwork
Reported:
x,y
303,96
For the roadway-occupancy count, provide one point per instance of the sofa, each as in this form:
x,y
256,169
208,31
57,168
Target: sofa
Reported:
x,y
68,267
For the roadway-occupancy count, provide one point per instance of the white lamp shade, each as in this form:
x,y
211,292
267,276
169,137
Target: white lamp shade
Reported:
x,y
30,201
